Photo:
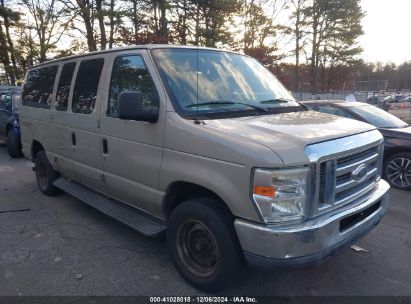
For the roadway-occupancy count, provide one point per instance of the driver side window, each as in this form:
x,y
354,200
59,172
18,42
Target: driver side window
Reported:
x,y
129,74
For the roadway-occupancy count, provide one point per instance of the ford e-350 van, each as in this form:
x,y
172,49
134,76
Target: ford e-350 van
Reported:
x,y
208,147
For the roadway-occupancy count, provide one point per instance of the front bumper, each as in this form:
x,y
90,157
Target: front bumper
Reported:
x,y
314,240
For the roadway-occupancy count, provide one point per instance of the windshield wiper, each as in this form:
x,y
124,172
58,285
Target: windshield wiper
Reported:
x,y
222,102
276,100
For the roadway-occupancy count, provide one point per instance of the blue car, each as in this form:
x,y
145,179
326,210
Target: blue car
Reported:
x,y
9,122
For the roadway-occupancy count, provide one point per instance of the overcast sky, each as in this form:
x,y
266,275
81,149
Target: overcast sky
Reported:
x,y
387,30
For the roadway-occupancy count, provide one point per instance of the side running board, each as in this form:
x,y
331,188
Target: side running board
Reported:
x,y
137,220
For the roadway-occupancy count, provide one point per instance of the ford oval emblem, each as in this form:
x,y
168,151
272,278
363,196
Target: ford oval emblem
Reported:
x,y
360,173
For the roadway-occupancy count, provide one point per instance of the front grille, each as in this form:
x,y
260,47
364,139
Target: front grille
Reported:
x,y
344,178
343,161
321,186
348,193
338,185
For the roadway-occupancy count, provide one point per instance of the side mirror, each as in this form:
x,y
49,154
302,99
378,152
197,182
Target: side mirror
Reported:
x,y
131,106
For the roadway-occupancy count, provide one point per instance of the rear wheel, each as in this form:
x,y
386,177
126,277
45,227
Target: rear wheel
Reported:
x,y
203,244
13,144
397,170
45,175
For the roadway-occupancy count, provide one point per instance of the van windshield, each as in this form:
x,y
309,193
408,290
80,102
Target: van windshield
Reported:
x,y
216,81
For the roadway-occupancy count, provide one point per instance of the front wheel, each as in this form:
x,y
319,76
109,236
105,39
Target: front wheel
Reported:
x,y
45,175
13,144
203,244
397,170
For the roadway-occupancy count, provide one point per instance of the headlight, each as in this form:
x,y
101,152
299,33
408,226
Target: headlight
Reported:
x,y
280,195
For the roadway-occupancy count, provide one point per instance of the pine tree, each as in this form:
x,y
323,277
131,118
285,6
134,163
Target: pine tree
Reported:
x,y
335,27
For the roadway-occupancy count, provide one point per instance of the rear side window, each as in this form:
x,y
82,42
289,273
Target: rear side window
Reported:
x,y
85,89
63,89
39,87
129,74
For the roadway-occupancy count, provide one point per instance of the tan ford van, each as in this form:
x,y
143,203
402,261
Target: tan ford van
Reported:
x,y
208,147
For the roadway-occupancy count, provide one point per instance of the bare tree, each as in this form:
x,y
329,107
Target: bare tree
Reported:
x,y
83,12
100,17
50,22
299,25
262,29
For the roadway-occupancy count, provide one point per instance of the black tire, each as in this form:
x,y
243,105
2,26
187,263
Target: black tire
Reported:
x,y
397,170
13,144
45,175
203,244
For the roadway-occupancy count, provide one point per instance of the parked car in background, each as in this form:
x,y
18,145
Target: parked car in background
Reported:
x,y
9,122
374,99
397,136
406,99
399,97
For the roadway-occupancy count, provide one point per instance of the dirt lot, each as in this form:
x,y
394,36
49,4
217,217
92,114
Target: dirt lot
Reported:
x,y
60,246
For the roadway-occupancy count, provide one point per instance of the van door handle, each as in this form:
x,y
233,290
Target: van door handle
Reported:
x,y
73,139
105,146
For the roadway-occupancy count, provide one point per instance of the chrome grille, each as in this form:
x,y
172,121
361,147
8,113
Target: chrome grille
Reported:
x,y
332,163
337,186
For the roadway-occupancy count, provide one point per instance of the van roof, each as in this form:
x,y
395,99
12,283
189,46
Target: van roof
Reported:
x,y
134,47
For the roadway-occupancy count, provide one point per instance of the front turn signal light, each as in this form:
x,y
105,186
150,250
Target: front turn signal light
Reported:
x,y
264,191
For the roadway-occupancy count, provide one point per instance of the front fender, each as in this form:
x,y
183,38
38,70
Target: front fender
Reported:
x,y
229,181
395,145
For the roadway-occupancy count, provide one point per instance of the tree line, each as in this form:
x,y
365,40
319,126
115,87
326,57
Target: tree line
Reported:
x,y
303,41
360,76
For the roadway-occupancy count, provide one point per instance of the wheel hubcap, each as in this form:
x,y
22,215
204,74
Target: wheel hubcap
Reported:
x,y
399,172
197,248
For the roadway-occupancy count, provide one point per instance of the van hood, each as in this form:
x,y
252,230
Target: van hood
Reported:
x,y
287,134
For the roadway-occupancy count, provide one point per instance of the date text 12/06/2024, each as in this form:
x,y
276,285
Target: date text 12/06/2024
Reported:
x,y
200,299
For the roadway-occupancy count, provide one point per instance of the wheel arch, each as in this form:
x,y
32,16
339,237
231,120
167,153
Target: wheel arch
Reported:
x,y
181,191
36,146
395,150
